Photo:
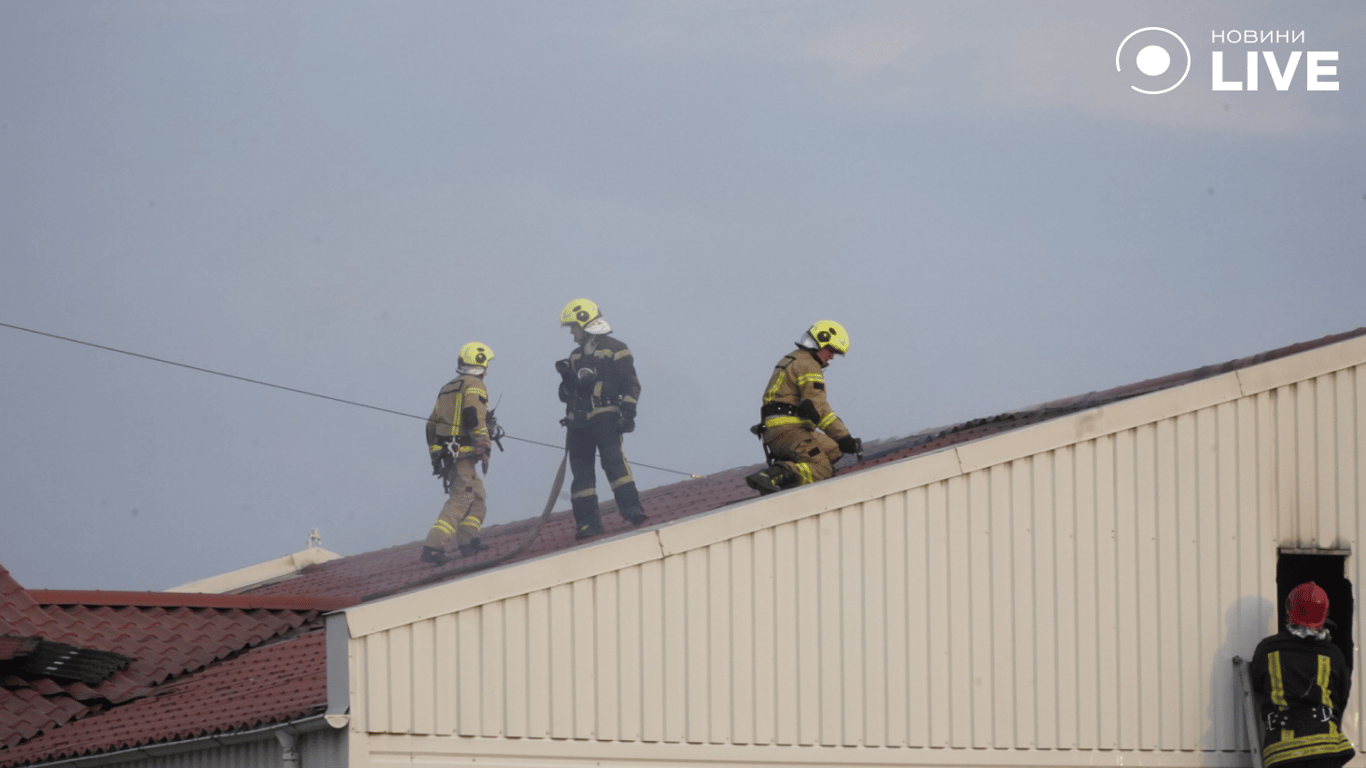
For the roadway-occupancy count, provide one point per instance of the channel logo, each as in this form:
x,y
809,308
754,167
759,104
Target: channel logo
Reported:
x,y
1153,60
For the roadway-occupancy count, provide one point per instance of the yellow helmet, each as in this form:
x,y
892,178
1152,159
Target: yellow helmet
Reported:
x,y
579,312
828,333
475,354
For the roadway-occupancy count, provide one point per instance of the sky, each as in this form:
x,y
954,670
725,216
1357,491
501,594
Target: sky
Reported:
x,y
331,198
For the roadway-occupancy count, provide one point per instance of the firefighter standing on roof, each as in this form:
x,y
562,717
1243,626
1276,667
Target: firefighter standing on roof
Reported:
x,y
802,435
458,438
600,390
1302,681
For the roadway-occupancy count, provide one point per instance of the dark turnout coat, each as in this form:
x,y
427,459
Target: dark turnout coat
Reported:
x,y
1301,686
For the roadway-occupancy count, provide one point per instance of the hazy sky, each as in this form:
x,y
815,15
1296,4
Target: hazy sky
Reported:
x,y
335,196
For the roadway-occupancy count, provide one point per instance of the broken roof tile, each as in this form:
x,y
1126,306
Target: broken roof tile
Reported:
x,y
164,639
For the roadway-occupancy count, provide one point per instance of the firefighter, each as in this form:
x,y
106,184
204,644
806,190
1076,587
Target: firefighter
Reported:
x,y
1301,681
600,391
803,438
458,439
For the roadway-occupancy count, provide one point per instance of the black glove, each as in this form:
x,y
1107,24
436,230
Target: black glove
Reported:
x,y
562,366
850,444
626,424
441,460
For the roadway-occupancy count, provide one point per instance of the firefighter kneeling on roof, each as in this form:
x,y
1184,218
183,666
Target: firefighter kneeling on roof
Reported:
x,y
803,438
458,438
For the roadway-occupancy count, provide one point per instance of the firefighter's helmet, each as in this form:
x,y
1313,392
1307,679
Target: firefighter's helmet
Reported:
x,y
475,355
826,333
1307,605
579,312
586,315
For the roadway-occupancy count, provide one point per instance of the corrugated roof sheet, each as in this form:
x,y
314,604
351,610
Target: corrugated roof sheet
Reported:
x,y
216,663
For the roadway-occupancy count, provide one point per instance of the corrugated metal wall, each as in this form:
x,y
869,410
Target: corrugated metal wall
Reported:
x,y
1087,597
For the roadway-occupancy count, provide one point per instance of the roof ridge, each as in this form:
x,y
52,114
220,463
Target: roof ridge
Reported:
x,y
248,602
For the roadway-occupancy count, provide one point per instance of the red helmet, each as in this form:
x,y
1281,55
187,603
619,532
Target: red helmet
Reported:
x,y
1307,605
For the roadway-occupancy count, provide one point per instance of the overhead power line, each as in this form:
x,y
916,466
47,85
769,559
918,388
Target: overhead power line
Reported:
x,y
296,391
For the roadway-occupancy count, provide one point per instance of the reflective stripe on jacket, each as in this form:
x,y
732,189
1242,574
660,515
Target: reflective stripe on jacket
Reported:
x,y
1302,685
610,383
461,412
798,378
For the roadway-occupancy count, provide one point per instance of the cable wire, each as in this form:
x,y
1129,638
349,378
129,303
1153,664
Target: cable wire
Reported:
x,y
296,391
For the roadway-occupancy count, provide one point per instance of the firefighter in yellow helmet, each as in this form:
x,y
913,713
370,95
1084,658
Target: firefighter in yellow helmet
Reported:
x,y
803,438
458,438
600,390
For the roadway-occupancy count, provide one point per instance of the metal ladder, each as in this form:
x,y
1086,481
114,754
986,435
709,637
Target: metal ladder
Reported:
x,y
1247,705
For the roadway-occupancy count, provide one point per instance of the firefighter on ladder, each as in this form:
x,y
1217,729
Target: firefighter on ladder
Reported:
x,y
1301,680
600,390
458,438
803,438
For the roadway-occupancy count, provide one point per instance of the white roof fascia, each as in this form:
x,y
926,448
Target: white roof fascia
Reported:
x,y
648,545
1306,365
1144,409
1097,422
260,573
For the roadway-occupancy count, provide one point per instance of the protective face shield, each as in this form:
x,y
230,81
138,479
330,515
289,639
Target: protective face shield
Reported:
x,y
1307,605
474,358
826,334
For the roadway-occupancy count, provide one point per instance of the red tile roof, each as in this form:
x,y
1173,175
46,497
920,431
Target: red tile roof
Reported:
x,y
214,663
275,683
167,637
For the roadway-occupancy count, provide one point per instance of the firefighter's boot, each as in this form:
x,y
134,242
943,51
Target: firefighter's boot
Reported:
x,y
588,530
434,555
634,515
587,518
474,547
773,479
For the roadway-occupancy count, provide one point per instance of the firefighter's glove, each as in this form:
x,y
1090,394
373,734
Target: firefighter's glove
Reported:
x,y
441,460
850,444
627,422
483,452
562,366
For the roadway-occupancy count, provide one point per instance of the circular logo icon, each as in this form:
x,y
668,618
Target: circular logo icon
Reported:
x,y
1151,56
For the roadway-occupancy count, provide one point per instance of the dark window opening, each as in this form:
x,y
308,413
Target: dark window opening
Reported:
x,y
1328,570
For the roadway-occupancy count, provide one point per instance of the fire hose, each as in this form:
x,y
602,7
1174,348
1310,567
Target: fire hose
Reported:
x,y
443,573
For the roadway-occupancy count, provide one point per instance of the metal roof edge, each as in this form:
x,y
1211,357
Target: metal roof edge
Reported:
x,y
309,724
1223,384
260,573
189,600
541,572
650,544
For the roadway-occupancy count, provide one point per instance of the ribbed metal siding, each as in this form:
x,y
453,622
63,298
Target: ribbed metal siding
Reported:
x,y
1084,598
